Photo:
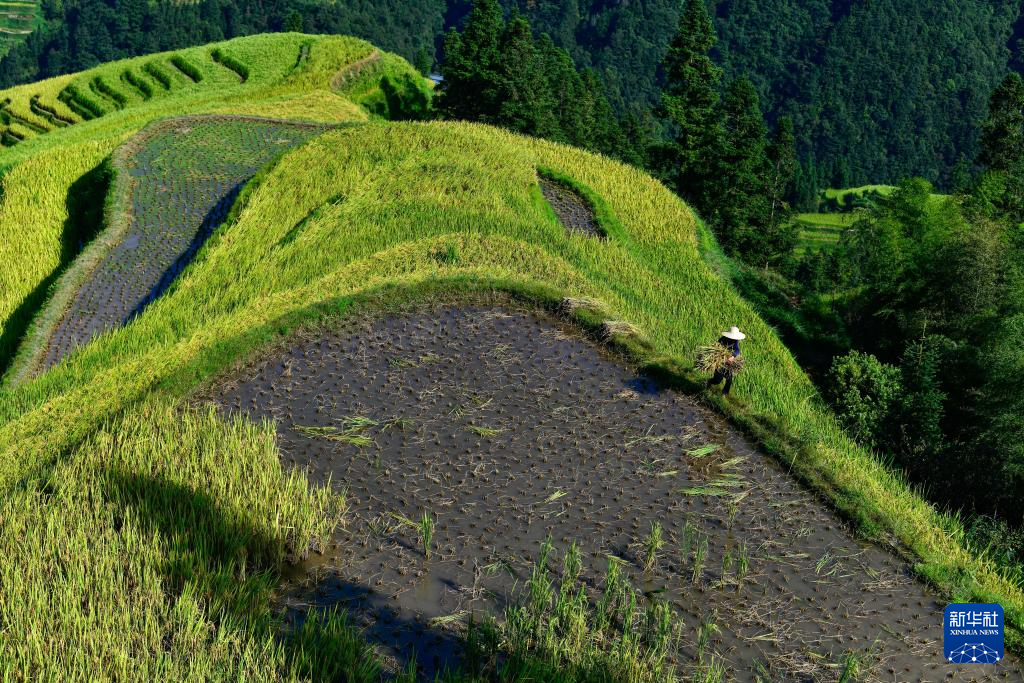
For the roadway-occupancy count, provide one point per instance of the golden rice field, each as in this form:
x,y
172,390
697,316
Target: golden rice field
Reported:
x,y
144,538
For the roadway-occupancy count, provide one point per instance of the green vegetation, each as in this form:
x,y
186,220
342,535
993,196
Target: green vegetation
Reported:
x,y
159,520
497,72
878,90
816,231
105,472
426,529
918,352
720,158
18,19
846,198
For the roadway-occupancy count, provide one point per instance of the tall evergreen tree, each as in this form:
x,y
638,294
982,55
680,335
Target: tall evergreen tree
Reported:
x,y
999,191
472,65
689,102
499,73
1002,133
783,167
525,98
740,207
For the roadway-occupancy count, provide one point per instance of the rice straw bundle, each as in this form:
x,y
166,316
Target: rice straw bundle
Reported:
x,y
717,358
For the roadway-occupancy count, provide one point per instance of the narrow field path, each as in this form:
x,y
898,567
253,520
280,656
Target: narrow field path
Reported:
x,y
179,181
507,427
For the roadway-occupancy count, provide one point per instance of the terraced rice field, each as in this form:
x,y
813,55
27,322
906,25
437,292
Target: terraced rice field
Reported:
x,y
18,19
504,427
180,179
572,208
141,86
489,426
821,231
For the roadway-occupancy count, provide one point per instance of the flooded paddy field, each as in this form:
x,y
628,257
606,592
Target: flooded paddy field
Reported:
x,y
504,427
181,179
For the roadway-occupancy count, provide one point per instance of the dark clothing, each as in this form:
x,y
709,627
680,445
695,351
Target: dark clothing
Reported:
x,y
731,344
722,375
717,379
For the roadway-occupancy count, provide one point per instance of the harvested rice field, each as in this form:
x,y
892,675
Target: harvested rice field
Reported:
x,y
179,180
502,426
572,208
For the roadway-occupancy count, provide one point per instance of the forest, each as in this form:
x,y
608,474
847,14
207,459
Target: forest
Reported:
x,y
878,90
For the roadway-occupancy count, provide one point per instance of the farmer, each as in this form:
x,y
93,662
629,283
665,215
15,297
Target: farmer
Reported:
x,y
730,340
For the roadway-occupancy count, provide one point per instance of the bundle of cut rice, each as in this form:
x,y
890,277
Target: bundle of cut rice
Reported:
x,y
716,358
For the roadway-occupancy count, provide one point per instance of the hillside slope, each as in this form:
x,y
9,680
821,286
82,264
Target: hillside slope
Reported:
x,y
173,524
54,171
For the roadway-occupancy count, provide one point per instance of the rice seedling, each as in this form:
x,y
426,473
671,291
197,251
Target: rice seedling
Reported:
x,y
700,554
851,668
358,423
827,564
653,545
447,619
484,431
702,451
553,622
727,565
402,424
648,438
708,627
712,671
335,434
688,538
557,495
733,508
426,529
742,564
709,490
731,462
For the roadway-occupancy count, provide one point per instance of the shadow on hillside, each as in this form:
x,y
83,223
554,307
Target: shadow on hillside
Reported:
x,y
84,205
232,568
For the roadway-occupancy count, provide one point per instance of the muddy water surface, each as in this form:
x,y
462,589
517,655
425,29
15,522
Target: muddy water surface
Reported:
x,y
507,427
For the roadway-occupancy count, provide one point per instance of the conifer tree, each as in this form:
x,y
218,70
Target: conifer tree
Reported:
x,y
497,72
747,210
294,21
999,191
471,66
738,204
690,101
525,98
1002,133
783,167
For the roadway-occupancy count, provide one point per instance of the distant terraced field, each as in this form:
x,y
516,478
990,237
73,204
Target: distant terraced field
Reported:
x,y
821,231
58,134
18,19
